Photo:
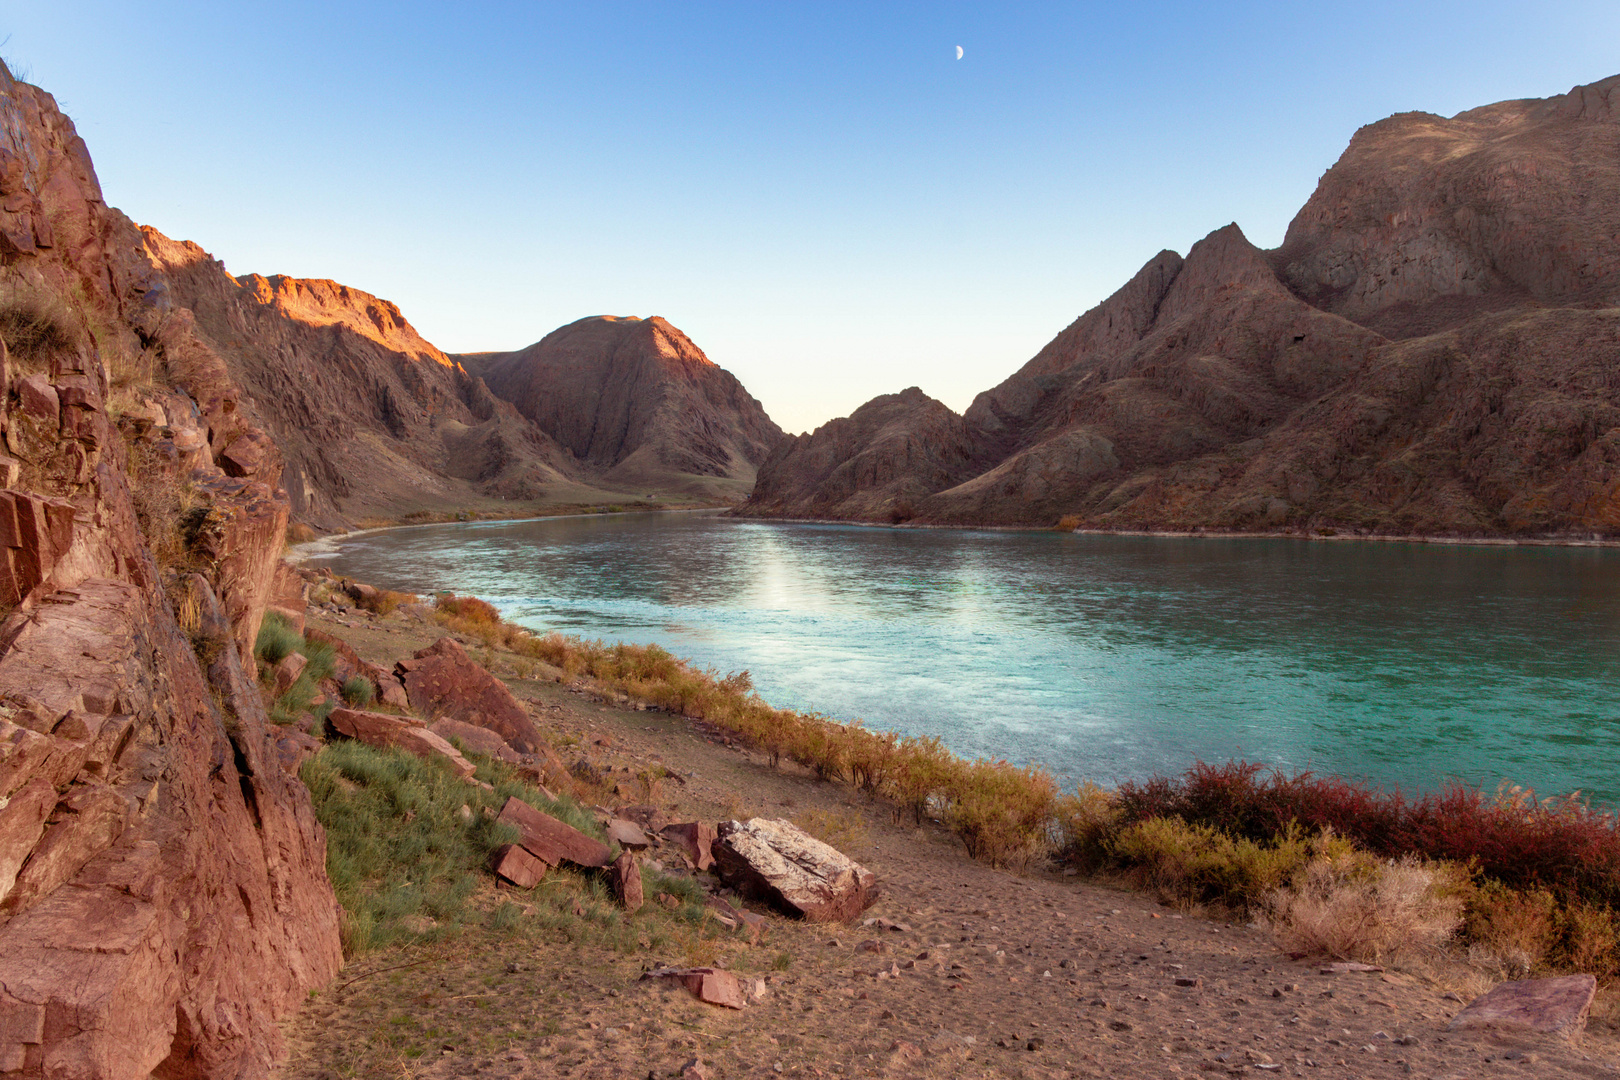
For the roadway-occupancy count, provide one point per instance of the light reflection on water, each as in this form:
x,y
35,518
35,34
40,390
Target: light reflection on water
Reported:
x,y
1100,656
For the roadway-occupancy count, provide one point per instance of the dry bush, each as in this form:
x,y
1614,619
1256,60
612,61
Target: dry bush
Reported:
x,y
1510,930
1592,940
1358,908
299,533
163,501
842,829
1086,822
37,326
1002,813
385,601
1197,863
1068,523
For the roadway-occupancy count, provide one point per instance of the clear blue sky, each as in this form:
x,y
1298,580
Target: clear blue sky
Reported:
x,y
828,201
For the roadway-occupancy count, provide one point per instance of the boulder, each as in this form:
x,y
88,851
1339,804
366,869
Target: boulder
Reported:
x,y
551,840
293,748
625,877
650,818
515,865
346,663
442,680
626,833
287,670
477,740
707,984
390,691
1532,1006
383,730
777,863
696,837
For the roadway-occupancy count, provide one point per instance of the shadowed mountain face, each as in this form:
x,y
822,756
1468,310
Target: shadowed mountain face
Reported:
x,y
638,400
371,418
1434,349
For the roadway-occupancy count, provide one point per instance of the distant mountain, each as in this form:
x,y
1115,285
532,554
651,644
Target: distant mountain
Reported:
x,y
638,401
1434,349
371,418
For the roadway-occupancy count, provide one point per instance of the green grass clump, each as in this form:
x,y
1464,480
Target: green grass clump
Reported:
x,y
277,640
359,691
397,844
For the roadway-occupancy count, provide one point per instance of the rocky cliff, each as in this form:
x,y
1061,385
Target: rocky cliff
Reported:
x,y
1432,350
372,419
163,897
636,399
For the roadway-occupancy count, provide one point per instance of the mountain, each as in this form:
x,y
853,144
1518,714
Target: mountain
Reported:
x,y
1432,350
637,400
373,420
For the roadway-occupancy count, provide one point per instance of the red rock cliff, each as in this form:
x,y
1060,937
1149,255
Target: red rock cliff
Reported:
x,y
163,897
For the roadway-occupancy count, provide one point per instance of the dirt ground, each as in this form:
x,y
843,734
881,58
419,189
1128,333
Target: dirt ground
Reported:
x,y
993,975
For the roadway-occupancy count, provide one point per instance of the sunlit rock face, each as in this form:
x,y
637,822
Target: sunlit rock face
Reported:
x,y
1430,351
637,399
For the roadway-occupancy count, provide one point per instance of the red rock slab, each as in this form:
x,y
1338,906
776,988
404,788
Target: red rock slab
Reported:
x,y
707,984
696,837
1532,1006
625,876
442,680
382,730
513,864
22,821
552,840
95,817
477,740
293,617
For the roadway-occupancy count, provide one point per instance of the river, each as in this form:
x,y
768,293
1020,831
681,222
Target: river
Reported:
x,y
1104,657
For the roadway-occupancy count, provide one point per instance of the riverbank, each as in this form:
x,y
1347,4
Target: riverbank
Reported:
x,y
995,974
1222,534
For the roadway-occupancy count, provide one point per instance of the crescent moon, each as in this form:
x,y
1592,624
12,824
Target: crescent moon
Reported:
x,y
959,52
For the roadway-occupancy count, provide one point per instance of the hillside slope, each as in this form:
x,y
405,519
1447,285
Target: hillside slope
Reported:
x,y
1432,350
372,418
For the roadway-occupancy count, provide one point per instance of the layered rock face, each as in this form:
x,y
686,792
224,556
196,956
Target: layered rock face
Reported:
x,y
163,897
372,419
1431,351
637,399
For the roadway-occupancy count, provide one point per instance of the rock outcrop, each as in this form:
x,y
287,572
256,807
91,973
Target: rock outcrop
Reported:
x,y
1429,352
163,896
637,399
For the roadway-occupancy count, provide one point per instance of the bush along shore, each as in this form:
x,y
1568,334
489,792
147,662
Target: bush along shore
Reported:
x,y
1335,867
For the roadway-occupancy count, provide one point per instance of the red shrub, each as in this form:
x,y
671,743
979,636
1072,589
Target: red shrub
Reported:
x,y
1564,846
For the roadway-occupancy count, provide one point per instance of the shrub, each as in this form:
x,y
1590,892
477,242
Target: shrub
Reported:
x,y
37,326
1359,908
359,691
466,608
1001,812
843,830
1068,523
386,601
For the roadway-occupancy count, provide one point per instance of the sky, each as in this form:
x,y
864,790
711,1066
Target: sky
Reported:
x,y
828,201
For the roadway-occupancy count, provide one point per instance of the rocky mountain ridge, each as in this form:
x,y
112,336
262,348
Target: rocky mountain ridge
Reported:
x,y
638,400
1431,351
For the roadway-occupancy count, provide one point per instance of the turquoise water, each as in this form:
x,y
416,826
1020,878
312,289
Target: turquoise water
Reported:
x,y
1106,657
